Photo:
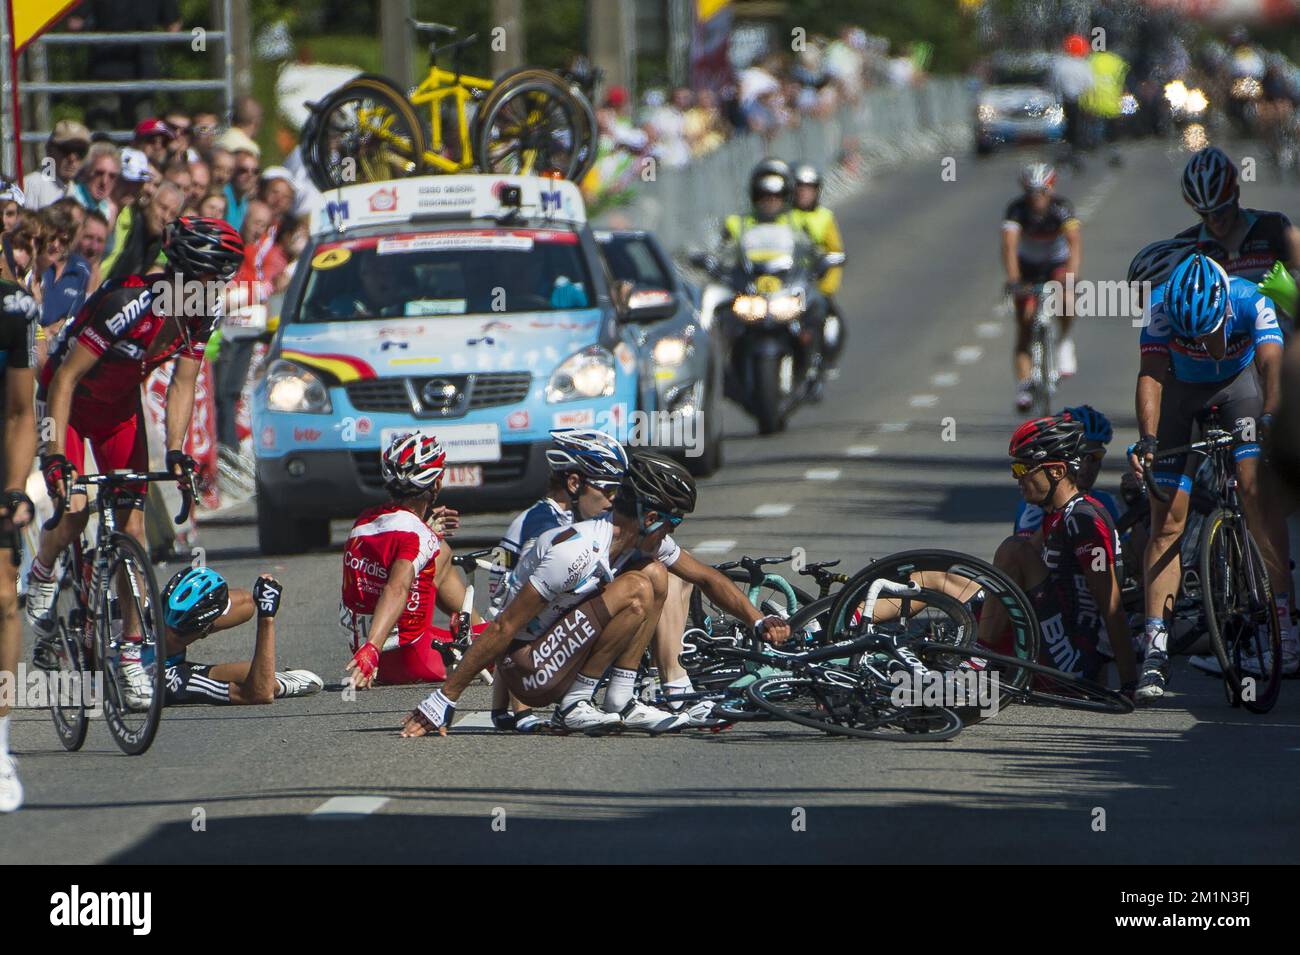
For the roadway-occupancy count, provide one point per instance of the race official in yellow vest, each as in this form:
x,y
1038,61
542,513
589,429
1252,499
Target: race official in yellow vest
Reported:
x,y
817,222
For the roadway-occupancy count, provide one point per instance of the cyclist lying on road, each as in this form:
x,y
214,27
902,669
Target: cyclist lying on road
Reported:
x,y
587,600
197,602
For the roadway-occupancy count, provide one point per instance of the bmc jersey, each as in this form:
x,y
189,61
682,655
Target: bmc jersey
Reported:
x,y
1042,238
119,325
1265,243
381,536
523,530
1251,322
568,565
1078,535
1030,516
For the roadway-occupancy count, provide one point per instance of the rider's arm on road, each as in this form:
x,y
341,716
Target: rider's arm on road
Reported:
x,y
1104,587
1268,358
62,386
180,401
1010,250
20,426
494,639
719,587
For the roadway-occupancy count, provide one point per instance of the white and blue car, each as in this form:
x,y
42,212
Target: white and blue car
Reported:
x,y
477,308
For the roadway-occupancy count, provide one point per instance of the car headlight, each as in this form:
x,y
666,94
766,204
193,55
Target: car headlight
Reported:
x,y
986,113
1176,93
292,388
785,307
1054,114
670,351
586,374
1196,102
1128,104
750,307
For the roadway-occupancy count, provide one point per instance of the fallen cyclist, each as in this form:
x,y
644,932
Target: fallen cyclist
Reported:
x,y
585,599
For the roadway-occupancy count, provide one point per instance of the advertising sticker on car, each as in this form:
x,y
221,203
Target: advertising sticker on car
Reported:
x,y
465,443
451,241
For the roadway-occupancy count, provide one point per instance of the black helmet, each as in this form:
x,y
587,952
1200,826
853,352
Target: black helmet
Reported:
x,y
771,177
657,483
1055,438
806,174
203,248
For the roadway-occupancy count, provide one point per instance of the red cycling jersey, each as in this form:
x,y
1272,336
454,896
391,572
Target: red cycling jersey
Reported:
x,y
381,536
120,326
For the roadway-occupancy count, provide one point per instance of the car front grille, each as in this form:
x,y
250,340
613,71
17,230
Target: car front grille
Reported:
x,y
440,396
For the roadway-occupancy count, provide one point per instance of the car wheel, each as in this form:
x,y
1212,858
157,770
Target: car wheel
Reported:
x,y
279,532
707,463
983,149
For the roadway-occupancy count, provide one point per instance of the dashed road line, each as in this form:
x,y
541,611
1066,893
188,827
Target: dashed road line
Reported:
x,y
989,329
945,379
923,401
890,427
861,450
968,354
773,510
713,547
822,474
348,807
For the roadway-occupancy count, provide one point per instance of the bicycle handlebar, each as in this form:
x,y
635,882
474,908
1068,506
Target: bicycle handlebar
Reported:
x,y
1214,439
113,478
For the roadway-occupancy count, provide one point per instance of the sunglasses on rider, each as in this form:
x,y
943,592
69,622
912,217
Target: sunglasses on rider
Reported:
x,y
1019,469
608,488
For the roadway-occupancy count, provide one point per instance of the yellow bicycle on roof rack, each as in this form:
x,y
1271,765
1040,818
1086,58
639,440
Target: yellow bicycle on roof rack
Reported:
x,y
527,121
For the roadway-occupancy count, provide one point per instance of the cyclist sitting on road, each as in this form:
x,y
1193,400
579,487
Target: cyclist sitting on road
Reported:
x,y
587,468
396,568
1212,341
198,602
587,600
18,316
90,390
1097,433
1041,242
1069,566
818,222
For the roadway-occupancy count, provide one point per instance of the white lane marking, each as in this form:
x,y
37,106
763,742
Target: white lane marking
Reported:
x,y
773,510
348,807
988,329
945,379
1083,212
822,474
923,401
474,721
712,547
894,426
861,450
968,354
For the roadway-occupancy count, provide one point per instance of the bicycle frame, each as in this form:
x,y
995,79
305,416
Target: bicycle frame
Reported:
x,y
439,85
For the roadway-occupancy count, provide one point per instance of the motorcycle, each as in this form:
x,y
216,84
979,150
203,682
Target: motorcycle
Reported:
x,y
776,323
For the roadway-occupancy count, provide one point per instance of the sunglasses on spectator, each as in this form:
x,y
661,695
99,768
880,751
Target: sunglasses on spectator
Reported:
x,y
245,170
76,152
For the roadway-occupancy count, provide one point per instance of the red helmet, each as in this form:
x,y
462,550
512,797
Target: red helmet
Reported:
x,y
412,463
203,248
1075,45
1055,438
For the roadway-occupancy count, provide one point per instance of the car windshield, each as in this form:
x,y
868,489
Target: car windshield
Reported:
x,y
446,273
1022,74
633,260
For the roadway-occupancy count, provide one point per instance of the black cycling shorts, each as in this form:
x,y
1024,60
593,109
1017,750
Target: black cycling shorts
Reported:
x,y
1239,401
189,683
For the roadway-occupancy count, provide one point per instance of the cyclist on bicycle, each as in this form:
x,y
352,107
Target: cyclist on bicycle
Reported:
x,y
1041,242
197,602
1097,433
587,467
586,599
1213,341
89,390
397,568
1069,566
18,314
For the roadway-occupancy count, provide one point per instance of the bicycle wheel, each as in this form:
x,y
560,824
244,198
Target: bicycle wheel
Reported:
x,y
850,704
130,588
68,695
585,131
1042,354
1031,682
966,579
531,127
365,131
1238,603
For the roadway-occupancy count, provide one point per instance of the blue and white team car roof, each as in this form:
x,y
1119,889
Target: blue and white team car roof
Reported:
x,y
447,197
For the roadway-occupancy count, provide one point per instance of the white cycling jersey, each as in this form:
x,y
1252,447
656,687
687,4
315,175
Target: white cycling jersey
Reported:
x,y
567,565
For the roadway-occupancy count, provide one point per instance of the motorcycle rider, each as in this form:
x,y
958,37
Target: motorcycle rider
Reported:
x,y
771,189
818,222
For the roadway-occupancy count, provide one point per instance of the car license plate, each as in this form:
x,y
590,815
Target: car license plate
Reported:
x,y
465,443
463,475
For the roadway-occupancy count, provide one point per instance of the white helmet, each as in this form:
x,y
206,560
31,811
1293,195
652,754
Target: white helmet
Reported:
x,y
591,453
1038,175
412,463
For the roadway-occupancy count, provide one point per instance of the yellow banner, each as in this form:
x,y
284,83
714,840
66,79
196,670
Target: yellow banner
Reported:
x,y
34,17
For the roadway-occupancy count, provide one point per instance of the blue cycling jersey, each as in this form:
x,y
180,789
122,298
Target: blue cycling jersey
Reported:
x,y
1251,321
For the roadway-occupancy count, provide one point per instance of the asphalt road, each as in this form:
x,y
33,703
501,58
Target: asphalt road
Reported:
x,y
864,474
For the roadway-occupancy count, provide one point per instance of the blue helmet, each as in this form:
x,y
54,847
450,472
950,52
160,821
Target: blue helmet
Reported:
x,y
194,599
1097,431
591,453
1196,298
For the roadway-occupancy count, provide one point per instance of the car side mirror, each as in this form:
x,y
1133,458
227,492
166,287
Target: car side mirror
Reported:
x,y
828,261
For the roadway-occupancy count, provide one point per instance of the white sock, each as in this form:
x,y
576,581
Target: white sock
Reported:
x,y
1156,636
1283,604
678,687
619,692
4,736
581,689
